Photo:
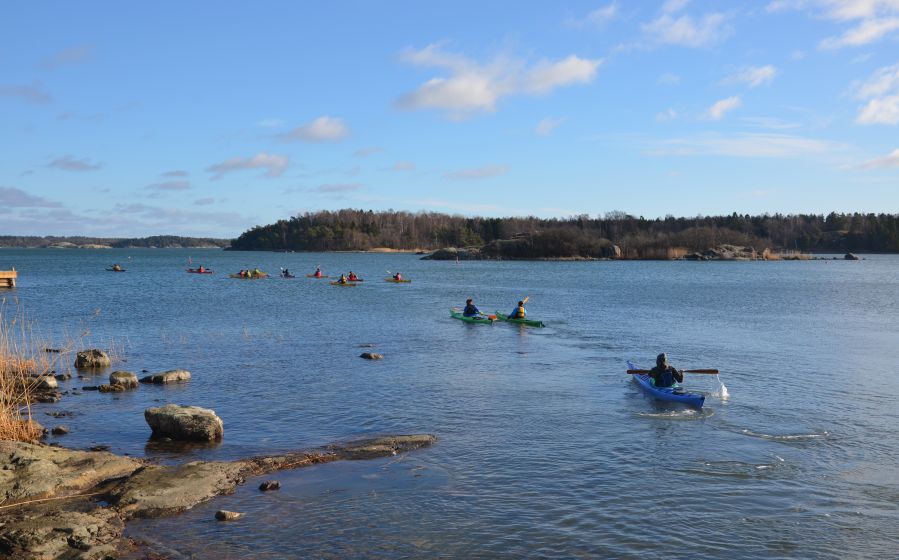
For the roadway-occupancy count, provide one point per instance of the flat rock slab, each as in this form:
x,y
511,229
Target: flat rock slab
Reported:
x,y
93,358
48,533
29,471
171,376
124,378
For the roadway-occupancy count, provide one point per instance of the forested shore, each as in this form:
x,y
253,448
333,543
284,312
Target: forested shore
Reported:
x,y
615,235
79,242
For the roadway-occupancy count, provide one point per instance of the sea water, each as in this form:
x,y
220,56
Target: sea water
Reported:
x,y
545,447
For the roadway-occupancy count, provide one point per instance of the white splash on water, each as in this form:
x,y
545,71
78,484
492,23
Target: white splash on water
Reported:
x,y
721,393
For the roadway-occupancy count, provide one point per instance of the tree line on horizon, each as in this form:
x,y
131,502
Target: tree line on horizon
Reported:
x,y
158,241
576,236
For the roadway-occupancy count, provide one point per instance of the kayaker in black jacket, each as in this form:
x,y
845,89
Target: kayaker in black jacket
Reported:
x,y
664,374
470,309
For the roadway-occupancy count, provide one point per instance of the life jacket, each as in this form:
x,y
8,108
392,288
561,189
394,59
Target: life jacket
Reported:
x,y
318,274
470,311
519,313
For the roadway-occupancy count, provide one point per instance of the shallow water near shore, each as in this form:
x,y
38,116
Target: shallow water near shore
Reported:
x,y
545,446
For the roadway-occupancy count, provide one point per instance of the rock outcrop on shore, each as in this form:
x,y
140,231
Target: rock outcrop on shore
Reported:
x,y
185,423
62,503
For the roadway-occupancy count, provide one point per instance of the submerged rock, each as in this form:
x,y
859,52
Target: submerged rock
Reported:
x,y
371,356
185,423
60,430
225,515
171,376
93,358
105,388
126,379
270,485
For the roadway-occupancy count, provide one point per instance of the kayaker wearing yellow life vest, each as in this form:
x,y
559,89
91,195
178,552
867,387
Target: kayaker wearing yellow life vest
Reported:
x,y
519,312
117,268
664,374
342,279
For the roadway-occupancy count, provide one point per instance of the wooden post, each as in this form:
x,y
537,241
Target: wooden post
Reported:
x,y
8,278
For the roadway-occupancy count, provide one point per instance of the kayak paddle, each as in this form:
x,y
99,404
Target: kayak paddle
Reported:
x,y
642,371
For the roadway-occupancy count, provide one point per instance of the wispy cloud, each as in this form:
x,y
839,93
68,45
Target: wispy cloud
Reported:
x,y
667,115
175,173
483,172
403,166
754,75
68,163
546,126
179,185
338,188
12,197
597,18
749,145
871,20
720,108
32,93
270,123
206,201
471,87
274,165
672,27
72,55
669,79
890,160
322,129
367,151
881,91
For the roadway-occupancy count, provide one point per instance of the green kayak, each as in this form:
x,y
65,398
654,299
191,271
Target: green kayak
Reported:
x,y
456,313
528,322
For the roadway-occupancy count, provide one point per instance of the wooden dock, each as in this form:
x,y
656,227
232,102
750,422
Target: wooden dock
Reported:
x,y
8,278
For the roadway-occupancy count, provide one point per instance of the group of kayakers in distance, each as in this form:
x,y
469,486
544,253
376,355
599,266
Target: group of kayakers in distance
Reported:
x,y
251,273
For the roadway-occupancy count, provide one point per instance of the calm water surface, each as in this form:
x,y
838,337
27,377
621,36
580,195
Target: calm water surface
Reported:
x,y
545,446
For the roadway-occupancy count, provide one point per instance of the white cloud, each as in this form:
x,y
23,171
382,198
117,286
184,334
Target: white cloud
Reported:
x,y
887,161
797,55
322,129
473,87
754,75
274,165
720,108
881,91
749,145
669,79
73,55
672,28
483,172
68,163
865,32
546,126
175,173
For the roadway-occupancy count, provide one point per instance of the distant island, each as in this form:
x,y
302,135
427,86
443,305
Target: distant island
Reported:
x,y
614,236
77,242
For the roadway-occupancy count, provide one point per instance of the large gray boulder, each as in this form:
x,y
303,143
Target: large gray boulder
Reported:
x,y
171,376
185,423
124,378
851,257
90,359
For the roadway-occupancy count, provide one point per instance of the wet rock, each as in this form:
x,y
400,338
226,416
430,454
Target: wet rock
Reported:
x,y
171,376
63,376
48,397
105,388
367,345
371,356
90,388
46,383
124,378
60,413
850,257
32,471
99,448
90,359
269,485
185,423
60,430
225,515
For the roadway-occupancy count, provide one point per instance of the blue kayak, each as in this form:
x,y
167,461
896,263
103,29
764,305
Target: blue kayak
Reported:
x,y
674,393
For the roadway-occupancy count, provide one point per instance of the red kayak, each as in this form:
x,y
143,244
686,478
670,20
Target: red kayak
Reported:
x,y
198,271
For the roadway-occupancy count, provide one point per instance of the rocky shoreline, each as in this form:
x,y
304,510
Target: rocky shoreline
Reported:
x,y
64,503
613,252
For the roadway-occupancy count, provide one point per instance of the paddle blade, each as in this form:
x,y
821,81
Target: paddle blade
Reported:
x,y
525,300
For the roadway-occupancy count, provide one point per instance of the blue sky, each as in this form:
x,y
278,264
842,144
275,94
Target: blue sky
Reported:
x,y
206,118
